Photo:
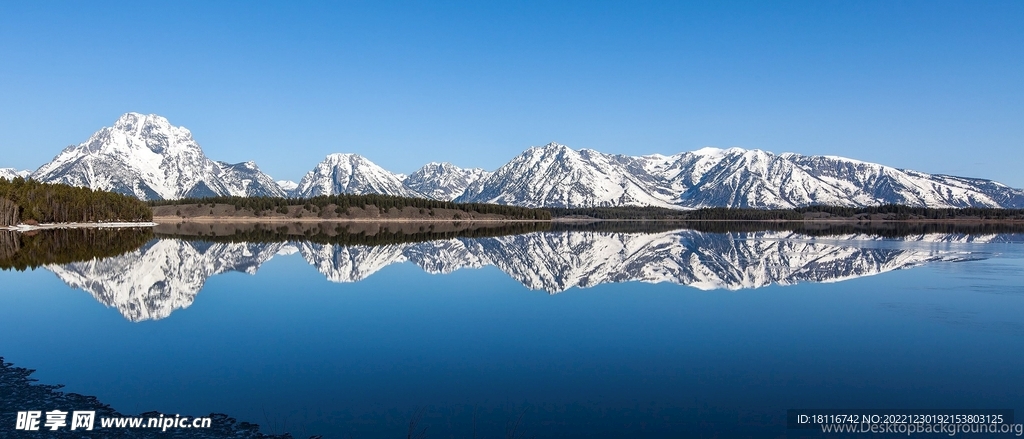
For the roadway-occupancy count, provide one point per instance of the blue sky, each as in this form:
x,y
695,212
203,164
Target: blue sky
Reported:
x,y
933,86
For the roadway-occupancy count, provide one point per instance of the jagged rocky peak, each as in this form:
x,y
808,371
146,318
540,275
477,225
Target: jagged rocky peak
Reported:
x,y
148,157
148,125
351,174
555,175
552,147
443,181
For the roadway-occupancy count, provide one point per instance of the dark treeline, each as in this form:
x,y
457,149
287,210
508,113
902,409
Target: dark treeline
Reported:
x,y
881,229
260,205
638,226
661,213
892,211
339,234
897,230
908,212
29,200
21,251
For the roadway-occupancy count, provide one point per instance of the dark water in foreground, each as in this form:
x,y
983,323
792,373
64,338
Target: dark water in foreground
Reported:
x,y
668,333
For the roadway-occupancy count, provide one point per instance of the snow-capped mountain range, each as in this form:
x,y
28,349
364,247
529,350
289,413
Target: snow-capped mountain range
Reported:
x,y
145,156
167,274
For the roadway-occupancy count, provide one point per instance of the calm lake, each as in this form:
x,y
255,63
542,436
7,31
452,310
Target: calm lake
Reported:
x,y
573,332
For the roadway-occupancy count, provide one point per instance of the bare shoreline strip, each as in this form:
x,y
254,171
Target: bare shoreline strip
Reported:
x,y
51,226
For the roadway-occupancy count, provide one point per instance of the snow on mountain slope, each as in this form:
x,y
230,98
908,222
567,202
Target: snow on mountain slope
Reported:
x,y
871,183
287,186
557,176
443,181
351,174
747,178
11,173
246,179
146,156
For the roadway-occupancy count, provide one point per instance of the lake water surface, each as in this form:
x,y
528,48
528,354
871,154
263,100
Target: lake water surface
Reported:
x,y
563,333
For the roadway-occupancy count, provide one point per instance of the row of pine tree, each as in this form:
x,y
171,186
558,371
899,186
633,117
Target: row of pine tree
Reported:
x,y
27,201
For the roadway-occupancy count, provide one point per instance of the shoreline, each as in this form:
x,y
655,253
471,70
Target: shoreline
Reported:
x,y
52,226
249,220
252,220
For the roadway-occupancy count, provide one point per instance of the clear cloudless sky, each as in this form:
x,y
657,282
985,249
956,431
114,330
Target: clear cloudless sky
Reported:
x,y
935,86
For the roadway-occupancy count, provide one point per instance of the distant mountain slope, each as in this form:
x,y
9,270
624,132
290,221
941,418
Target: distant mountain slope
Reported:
x,y
287,186
11,173
443,181
557,176
146,156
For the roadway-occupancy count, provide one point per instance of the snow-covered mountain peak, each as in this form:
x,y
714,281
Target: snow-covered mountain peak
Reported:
x,y
136,123
347,173
342,157
558,176
710,151
443,181
287,186
554,146
434,167
550,150
147,157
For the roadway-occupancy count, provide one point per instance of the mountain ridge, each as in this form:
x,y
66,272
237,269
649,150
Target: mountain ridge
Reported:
x,y
147,157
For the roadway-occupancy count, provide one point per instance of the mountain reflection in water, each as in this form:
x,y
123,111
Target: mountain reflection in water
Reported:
x,y
165,274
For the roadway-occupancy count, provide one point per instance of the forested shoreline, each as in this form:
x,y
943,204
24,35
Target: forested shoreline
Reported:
x,y
336,234
340,206
888,212
29,201
21,251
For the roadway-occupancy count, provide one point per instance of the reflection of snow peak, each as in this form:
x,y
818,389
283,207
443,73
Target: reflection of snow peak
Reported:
x,y
555,262
162,276
166,275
